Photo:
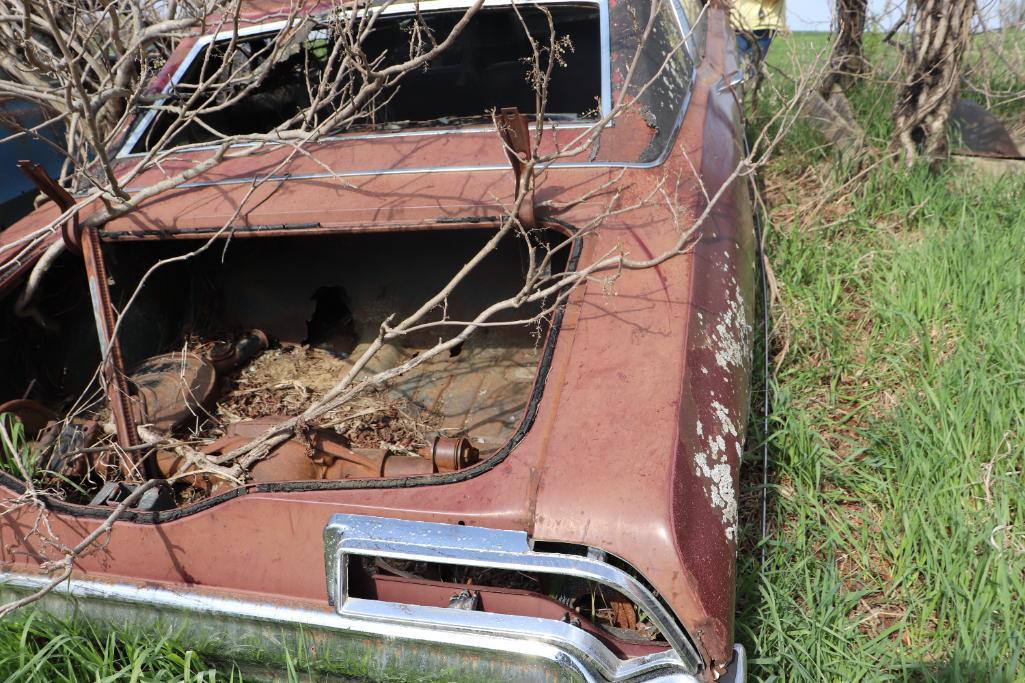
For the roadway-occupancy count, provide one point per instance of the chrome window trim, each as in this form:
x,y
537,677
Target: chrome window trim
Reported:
x,y
605,106
348,535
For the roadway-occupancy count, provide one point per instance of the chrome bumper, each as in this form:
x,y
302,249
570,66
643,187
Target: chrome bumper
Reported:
x,y
381,640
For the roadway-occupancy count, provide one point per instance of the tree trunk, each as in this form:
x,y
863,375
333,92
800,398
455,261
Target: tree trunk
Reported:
x,y
940,32
847,60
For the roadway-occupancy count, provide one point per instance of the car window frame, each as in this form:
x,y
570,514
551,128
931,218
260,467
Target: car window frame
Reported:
x,y
138,127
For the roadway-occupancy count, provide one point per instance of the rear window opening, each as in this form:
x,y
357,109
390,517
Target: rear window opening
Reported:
x,y
217,351
487,67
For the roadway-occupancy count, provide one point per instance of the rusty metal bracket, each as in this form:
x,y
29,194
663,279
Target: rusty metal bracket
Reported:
x,y
71,231
114,369
512,126
87,243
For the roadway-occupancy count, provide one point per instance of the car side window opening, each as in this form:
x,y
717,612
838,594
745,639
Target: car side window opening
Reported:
x,y
663,73
487,67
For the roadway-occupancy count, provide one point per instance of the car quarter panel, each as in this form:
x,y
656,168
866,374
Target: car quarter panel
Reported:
x,y
647,466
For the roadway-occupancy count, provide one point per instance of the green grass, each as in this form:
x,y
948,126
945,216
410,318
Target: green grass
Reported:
x,y
897,545
12,435
41,649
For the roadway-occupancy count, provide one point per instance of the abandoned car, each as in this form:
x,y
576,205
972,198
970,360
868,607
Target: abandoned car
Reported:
x,y
552,497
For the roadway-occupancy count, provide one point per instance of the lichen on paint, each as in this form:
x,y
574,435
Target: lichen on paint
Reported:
x,y
721,492
713,464
730,337
721,435
722,417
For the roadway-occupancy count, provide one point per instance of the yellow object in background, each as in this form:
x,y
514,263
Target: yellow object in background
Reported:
x,y
757,15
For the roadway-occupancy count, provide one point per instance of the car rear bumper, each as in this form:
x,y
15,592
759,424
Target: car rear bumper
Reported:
x,y
375,639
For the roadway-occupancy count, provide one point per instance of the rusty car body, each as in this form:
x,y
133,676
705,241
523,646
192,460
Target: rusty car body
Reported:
x,y
594,458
